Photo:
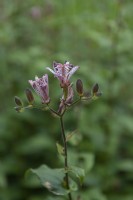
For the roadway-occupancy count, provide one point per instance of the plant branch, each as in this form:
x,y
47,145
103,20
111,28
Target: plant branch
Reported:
x,y
52,110
66,157
75,102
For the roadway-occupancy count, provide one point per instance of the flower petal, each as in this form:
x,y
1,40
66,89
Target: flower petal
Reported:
x,y
51,70
72,71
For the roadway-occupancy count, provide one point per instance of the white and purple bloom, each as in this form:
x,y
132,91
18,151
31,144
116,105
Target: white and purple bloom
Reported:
x,y
63,72
41,87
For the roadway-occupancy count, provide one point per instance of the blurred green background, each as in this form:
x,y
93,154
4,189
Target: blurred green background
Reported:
x,y
97,36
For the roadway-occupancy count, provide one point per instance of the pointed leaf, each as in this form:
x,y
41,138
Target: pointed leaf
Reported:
x,y
60,149
52,179
69,135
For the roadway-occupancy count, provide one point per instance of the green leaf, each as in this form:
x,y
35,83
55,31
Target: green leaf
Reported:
x,y
78,172
52,179
69,135
60,149
74,137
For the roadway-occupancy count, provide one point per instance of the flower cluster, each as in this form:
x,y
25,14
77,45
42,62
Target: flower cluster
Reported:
x,y
63,73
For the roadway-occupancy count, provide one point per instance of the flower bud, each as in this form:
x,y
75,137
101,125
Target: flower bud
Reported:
x,y
29,96
79,87
19,109
61,108
95,88
18,101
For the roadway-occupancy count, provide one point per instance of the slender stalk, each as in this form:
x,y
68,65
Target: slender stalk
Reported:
x,y
66,156
75,102
53,111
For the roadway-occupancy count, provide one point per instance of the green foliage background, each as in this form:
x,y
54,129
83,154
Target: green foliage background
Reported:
x,y
97,36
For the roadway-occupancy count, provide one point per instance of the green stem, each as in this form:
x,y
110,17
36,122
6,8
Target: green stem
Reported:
x,y
52,110
66,156
75,102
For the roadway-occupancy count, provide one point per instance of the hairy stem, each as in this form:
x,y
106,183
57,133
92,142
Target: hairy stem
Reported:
x,y
66,157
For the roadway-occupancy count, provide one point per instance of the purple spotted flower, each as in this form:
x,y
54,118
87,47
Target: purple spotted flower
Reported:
x,y
41,87
63,72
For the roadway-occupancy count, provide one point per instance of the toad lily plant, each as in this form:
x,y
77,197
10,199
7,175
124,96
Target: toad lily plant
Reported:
x,y
63,181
